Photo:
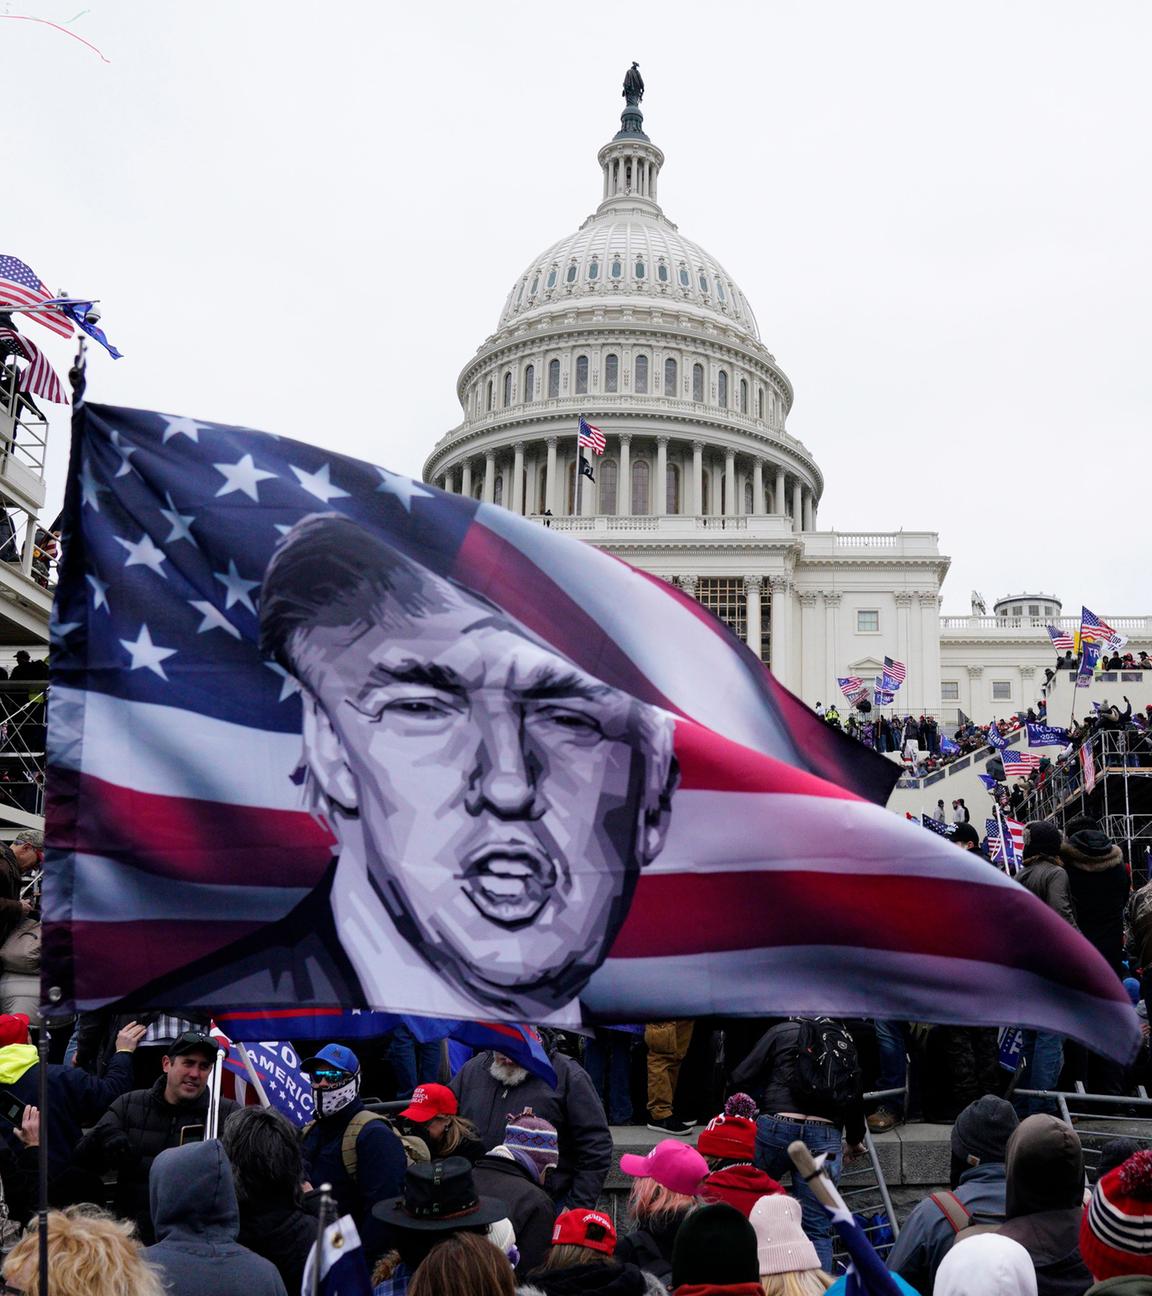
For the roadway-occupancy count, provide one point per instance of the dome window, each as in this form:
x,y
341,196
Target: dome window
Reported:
x,y
508,389
535,285
530,383
617,268
760,402
594,269
670,377
720,289
662,272
611,373
641,475
672,489
701,279
609,480
640,374
488,407
570,277
698,382
743,396
553,377
581,375
684,280
722,388
520,295
639,269
550,282
498,489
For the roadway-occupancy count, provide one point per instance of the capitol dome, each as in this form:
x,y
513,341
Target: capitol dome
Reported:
x,y
636,328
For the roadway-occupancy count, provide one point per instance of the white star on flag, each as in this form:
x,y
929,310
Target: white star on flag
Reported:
x,y
242,476
182,427
236,586
125,452
318,483
403,489
214,619
288,685
143,554
181,523
99,592
146,655
89,492
62,629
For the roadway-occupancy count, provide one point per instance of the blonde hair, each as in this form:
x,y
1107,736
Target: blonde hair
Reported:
x,y
90,1254
456,1130
648,1199
800,1282
566,1254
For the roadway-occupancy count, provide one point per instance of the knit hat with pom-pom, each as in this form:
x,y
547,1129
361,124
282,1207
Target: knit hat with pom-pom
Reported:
x,y
731,1135
1116,1231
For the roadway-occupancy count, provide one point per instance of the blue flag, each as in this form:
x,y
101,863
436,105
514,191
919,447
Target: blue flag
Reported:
x,y
996,738
278,1065
1011,1047
343,1265
1042,735
1088,662
887,683
76,312
988,781
947,746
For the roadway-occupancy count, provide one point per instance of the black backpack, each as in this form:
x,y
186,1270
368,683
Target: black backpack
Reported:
x,y
827,1067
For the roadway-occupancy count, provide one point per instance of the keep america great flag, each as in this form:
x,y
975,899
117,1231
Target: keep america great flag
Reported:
x,y
323,735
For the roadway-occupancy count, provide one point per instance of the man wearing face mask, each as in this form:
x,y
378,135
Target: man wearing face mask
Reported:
x,y
348,1146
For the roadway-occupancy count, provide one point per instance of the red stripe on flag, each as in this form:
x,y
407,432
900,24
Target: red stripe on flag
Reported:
x,y
711,763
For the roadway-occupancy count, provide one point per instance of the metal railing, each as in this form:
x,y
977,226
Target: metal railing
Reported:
x,y
23,738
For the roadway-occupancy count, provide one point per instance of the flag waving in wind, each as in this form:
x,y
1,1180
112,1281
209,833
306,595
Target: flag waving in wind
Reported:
x,y
590,437
1061,640
20,287
324,735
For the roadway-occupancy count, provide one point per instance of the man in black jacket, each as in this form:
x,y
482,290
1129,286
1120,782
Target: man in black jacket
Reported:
x,y
141,1124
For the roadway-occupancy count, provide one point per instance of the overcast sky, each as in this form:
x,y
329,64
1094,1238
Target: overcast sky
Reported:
x,y
305,218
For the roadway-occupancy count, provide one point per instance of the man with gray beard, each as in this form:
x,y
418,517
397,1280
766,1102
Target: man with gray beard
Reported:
x,y
491,1089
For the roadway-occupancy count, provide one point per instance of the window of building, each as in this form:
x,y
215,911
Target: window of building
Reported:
x,y
701,279
617,268
535,285
553,377
662,272
520,294
639,269
609,475
743,396
684,280
581,375
530,383
949,691
640,373
748,497
508,388
641,479
722,388
498,489
720,289
672,491
1033,609
611,373
670,377
697,382
1049,610
704,503
593,269
489,404
759,402
867,621
550,282
725,596
1018,610
570,277
1001,690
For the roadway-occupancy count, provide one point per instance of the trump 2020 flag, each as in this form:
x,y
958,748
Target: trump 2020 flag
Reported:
x,y
277,1065
322,735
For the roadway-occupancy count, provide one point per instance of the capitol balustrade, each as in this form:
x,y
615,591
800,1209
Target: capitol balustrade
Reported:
x,y
673,526
1133,626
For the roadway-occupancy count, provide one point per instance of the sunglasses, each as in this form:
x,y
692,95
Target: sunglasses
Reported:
x,y
324,1073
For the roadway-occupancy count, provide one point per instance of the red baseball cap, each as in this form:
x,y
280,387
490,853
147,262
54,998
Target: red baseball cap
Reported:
x,y
13,1029
429,1100
587,1228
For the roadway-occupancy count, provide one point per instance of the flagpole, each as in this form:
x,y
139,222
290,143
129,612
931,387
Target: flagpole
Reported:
x,y
253,1075
579,474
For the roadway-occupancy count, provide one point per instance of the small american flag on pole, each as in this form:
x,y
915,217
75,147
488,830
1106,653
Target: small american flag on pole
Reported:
x,y
1017,763
1061,639
1093,629
20,287
590,437
896,669
853,687
39,377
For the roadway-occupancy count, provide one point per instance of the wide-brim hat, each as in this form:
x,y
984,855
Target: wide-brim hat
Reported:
x,y
440,1196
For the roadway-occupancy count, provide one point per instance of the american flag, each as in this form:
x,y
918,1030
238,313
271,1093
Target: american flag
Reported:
x,y
896,669
937,826
590,437
1005,847
1017,763
853,688
20,286
39,377
178,829
1061,640
866,1274
1093,630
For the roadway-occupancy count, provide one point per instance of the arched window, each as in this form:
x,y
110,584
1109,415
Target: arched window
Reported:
x,y
639,269
759,402
535,284
550,282
640,484
743,395
748,495
570,277
684,280
672,491
593,269
553,377
498,489
697,382
611,373
722,388
617,268
581,375
662,272
670,377
609,475
701,279
530,383
520,294
640,373
720,289
704,503
508,388
488,407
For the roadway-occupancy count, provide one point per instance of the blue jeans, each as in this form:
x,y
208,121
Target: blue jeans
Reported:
x,y
608,1061
893,1048
772,1138
413,1063
1044,1057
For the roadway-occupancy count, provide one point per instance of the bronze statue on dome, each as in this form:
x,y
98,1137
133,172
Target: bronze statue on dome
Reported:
x,y
633,85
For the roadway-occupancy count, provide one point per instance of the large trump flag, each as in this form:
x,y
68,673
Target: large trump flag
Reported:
x,y
322,735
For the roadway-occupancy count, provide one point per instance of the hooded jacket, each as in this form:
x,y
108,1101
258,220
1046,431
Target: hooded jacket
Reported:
x,y
1047,878
1044,1202
1100,885
193,1202
593,1279
987,1265
501,1175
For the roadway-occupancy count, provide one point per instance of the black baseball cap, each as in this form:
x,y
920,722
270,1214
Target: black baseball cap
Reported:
x,y
194,1041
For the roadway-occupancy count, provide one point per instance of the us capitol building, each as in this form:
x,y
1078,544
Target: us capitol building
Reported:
x,y
631,324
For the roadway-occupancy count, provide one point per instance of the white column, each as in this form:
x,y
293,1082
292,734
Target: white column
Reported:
x,y
797,507
489,477
466,479
903,639
730,480
809,512
518,478
758,486
812,672
697,505
550,479
752,586
624,481
714,502
660,494
832,664
781,617
778,504
450,481
930,653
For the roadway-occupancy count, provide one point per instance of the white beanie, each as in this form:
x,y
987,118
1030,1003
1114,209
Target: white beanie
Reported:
x,y
781,1244
986,1264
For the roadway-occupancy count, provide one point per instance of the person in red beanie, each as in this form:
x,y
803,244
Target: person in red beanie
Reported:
x,y
1116,1231
728,1144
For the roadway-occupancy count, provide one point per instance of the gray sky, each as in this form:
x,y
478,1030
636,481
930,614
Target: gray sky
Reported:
x,y
305,218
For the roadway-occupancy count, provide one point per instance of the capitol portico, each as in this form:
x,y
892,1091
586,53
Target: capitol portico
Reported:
x,y
646,335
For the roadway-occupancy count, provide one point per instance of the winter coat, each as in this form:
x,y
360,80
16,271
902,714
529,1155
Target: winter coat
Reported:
x,y
11,910
649,1247
530,1209
282,1233
574,1107
1047,879
193,1202
988,1265
926,1236
1129,1285
1100,885
131,1135
594,1279
380,1167
1140,926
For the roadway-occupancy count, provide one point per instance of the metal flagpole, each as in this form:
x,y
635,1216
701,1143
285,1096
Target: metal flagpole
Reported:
x,y
325,1216
579,474
253,1075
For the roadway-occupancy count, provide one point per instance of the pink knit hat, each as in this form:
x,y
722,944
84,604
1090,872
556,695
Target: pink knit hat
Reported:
x,y
672,1164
